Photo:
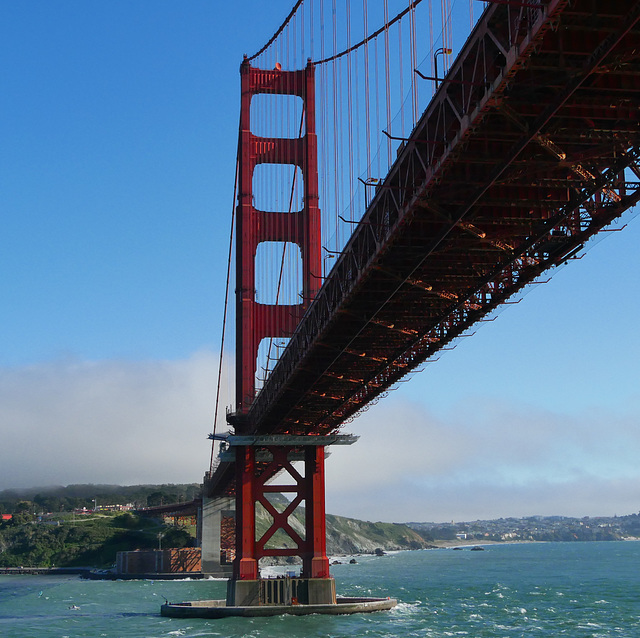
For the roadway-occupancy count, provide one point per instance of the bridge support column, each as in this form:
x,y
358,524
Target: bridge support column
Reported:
x,y
259,459
210,517
315,563
245,566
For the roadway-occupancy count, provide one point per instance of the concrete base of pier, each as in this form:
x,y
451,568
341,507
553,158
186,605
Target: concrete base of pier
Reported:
x,y
281,591
220,609
275,597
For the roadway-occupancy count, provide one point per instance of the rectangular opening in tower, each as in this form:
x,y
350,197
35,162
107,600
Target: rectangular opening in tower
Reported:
x,y
278,273
274,115
278,188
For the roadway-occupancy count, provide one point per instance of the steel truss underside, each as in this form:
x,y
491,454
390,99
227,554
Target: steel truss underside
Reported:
x,y
530,147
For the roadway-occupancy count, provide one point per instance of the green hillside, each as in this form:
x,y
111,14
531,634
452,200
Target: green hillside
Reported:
x,y
89,541
344,535
45,529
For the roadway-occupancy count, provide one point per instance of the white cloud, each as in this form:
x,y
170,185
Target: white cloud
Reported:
x,y
107,422
146,422
486,459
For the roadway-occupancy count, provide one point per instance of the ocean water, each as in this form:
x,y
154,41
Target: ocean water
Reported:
x,y
578,590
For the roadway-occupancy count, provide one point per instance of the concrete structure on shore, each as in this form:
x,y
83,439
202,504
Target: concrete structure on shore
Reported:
x,y
186,560
211,516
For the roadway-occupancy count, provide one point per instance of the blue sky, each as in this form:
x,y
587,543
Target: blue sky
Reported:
x,y
118,132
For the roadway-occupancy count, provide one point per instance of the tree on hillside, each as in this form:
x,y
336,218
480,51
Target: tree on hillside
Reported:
x,y
24,507
48,503
161,497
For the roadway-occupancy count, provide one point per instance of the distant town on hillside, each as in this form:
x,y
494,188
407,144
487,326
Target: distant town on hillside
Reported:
x,y
535,528
530,528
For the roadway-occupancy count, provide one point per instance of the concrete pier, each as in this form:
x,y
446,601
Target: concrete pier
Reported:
x,y
220,609
281,591
209,525
276,596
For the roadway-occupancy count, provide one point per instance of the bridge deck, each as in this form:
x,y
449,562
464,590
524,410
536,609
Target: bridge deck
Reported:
x,y
529,147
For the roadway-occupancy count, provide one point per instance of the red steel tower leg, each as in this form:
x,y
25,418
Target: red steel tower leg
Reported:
x,y
315,563
245,566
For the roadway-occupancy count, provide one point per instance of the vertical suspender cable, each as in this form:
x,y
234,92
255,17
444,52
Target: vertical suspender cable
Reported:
x,y
351,114
433,70
387,75
400,74
414,65
294,45
335,122
377,93
450,25
443,25
366,87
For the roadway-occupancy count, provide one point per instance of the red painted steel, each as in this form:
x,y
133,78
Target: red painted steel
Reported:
x,y
245,565
530,146
315,563
256,321
533,148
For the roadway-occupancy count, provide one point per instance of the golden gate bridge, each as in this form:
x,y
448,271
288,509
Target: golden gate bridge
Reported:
x,y
395,184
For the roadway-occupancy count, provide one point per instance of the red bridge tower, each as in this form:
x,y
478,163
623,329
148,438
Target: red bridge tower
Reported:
x,y
259,458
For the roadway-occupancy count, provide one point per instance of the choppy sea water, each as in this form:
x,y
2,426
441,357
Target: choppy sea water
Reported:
x,y
578,590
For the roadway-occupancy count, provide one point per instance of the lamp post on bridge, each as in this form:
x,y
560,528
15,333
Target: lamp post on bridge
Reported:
x,y
324,264
441,51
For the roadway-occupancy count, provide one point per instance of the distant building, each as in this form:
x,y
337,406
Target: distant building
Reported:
x,y
155,561
114,508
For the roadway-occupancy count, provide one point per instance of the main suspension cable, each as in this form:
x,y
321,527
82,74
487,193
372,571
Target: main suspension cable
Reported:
x,y
401,15
226,303
278,32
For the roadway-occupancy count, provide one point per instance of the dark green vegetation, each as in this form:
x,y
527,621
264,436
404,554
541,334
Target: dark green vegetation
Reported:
x,y
351,536
66,499
92,540
47,528
50,526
